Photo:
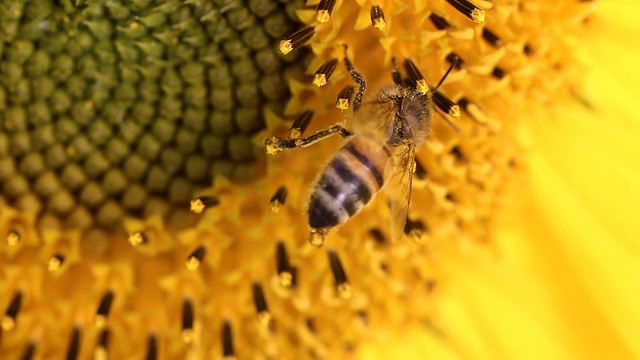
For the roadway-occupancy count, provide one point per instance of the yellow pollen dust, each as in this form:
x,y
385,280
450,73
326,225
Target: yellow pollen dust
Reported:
x,y
478,15
317,238
188,335
342,104
100,353
264,318
323,16
319,80
197,206
285,278
100,321
13,238
136,238
272,146
455,112
192,263
8,323
294,133
285,47
422,87
275,206
379,23
54,264
344,291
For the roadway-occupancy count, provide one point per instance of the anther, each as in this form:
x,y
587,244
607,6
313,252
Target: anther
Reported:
x,y
294,277
445,104
13,238
377,235
469,10
528,50
227,341
491,38
498,73
55,262
342,283
455,151
297,39
152,347
439,22
414,229
103,309
283,267
9,318
300,124
200,203
311,324
377,17
317,237
324,72
325,8
138,238
187,321
415,76
195,258
278,199
74,344
420,171
451,59
344,98
29,351
264,317
100,352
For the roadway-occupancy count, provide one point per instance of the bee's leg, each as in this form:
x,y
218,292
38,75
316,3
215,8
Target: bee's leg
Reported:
x,y
273,145
358,78
395,73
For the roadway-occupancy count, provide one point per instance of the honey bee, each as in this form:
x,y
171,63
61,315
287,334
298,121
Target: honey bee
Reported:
x,y
388,129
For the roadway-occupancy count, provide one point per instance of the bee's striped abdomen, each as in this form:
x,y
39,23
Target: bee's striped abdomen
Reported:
x,y
347,183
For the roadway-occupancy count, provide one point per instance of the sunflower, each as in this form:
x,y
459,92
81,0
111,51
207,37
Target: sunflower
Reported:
x,y
103,259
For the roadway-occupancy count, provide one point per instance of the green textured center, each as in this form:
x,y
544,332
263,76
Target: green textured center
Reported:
x,y
114,108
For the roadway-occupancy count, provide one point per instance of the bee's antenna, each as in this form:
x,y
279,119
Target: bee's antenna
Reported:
x,y
454,63
449,122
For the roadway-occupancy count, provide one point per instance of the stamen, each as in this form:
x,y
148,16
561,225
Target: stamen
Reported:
x,y
446,105
9,318
451,58
340,277
430,284
323,73
103,309
13,238
278,199
195,258
55,262
264,317
363,316
498,73
300,124
344,98
152,347
74,344
420,171
472,109
317,237
283,267
491,38
138,238
414,229
416,76
227,340
187,321
297,39
528,50
439,22
325,8
29,351
200,203
377,17
311,324
100,352
377,235
469,10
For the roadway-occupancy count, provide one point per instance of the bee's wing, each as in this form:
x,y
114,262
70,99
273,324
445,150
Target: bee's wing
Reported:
x,y
399,175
